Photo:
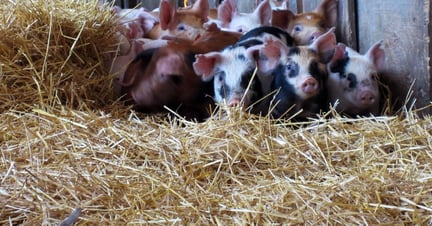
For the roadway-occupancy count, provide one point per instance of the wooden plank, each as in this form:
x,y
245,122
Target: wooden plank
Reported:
x,y
310,5
346,29
150,5
404,26
293,6
246,6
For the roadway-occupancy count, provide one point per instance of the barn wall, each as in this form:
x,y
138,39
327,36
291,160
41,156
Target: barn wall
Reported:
x,y
403,25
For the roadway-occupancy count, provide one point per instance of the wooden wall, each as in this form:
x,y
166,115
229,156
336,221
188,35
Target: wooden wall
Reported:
x,y
403,25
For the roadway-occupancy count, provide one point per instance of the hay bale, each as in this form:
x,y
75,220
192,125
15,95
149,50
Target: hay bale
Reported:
x,y
68,154
53,53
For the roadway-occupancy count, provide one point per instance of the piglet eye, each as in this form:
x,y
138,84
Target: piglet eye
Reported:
x,y
292,69
298,28
220,76
181,27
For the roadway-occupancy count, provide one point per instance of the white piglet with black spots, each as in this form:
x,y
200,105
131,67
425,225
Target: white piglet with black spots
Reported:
x,y
353,83
232,69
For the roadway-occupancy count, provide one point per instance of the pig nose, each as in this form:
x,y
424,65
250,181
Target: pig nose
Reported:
x,y
234,102
367,98
314,36
310,86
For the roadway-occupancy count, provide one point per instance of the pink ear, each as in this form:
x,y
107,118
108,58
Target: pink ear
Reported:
x,y
226,10
270,54
325,45
202,8
264,12
328,9
148,21
282,18
166,14
339,52
204,64
376,55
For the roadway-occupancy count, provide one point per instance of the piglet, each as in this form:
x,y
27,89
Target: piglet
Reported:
x,y
299,74
164,77
353,83
135,23
306,27
232,20
184,23
232,70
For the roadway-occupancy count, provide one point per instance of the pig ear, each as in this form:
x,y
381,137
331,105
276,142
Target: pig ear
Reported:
x,y
328,9
166,14
202,8
339,54
376,55
264,12
205,64
281,18
136,68
270,54
325,45
148,21
226,10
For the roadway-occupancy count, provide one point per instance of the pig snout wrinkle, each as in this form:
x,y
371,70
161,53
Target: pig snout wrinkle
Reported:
x,y
310,86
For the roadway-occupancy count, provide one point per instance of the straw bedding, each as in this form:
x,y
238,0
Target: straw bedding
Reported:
x,y
68,149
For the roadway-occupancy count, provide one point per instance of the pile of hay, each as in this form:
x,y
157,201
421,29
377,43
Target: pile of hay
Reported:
x,y
67,145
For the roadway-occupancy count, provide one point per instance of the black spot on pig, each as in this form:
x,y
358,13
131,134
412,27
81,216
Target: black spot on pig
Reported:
x,y
292,69
339,66
277,32
352,79
224,88
317,72
294,51
246,44
255,86
241,57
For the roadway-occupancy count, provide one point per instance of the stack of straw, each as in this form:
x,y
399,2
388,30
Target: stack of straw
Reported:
x,y
68,150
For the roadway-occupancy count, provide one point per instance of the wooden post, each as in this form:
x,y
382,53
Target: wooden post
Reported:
x,y
346,29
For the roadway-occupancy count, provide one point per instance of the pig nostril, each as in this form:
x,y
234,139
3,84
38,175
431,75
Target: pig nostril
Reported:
x,y
368,99
310,86
233,103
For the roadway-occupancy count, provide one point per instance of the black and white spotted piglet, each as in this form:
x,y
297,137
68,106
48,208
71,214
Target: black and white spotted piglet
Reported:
x,y
298,75
353,80
233,68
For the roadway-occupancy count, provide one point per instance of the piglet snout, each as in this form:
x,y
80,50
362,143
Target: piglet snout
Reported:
x,y
367,98
234,102
310,86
